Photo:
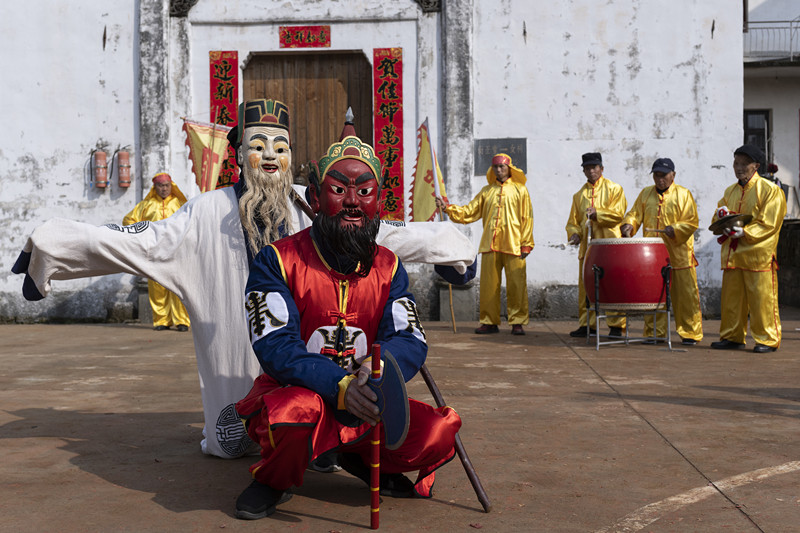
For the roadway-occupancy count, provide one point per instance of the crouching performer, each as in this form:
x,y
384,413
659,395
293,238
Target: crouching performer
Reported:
x,y
316,302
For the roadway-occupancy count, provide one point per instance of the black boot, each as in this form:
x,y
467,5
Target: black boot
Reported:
x,y
581,332
325,463
258,501
394,485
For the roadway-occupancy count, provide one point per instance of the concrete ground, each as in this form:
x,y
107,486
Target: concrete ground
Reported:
x,y
100,428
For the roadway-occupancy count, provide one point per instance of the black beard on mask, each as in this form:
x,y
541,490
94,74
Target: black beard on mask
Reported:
x,y
346,247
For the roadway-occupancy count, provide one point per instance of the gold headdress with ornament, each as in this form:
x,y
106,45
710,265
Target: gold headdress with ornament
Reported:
x,y
350,148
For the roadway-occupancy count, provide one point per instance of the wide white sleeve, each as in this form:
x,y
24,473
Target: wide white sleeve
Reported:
x,y
63,249
438,243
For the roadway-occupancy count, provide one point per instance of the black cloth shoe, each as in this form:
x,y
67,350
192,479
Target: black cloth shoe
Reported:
x,y
183,327
326,463
259,501
653,341
763,348
487,328
161,328
581,332
688,342
724,344
394,485
614,332
516,329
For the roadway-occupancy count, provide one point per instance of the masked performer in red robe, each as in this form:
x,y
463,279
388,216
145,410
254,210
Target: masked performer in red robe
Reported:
x,y
316,302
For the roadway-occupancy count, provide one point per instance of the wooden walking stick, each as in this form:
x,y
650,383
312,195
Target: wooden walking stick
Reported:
x,y
375,459
449,285
462,453
299,202
452,313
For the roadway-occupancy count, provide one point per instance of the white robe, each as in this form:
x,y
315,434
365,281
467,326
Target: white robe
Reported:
x,y
199,254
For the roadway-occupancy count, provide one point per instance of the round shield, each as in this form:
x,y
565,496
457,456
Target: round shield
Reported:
x,y
392,401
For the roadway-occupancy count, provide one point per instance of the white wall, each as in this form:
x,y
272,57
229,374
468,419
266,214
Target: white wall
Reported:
x,y
764,10
65,92
635,80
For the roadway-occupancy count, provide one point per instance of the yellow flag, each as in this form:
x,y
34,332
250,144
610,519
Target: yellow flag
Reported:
x,y
424,189
208,148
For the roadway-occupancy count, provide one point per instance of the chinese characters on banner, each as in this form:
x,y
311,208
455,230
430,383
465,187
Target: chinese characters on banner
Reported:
x,y
224,67
388,85
305,36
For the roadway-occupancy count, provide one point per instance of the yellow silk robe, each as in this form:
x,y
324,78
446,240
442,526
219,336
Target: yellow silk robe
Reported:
x,y
675,207
749,278
154,208
507,217
507,233
608,199
756,248
168,310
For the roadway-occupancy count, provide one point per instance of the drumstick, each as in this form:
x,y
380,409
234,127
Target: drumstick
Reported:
x,y
375,459
655,230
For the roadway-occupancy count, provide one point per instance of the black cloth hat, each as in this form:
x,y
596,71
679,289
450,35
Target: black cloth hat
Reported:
x,y
663,164
592,158
259,112
755,153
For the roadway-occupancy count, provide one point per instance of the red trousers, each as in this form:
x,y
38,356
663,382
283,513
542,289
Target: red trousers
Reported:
x,y
294,426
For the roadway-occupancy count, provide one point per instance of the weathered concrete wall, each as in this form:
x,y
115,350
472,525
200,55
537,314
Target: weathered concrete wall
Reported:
x,y
154,89
572,79
567,77
457,96
69,88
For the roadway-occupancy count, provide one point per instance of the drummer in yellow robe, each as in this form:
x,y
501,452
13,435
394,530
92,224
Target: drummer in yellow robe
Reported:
x,y
505,207
749,277
668,210
162,201
598,207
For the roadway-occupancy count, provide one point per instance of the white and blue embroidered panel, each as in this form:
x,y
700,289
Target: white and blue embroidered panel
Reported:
x,y
265,313
404,314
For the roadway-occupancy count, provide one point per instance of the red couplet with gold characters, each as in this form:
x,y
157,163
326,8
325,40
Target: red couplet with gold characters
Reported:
x,y
631,273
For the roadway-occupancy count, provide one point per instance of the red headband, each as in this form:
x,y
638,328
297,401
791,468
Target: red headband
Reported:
x,y
501,160
162,177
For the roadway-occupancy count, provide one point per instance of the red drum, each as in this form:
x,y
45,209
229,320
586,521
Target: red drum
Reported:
x,y
631,273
